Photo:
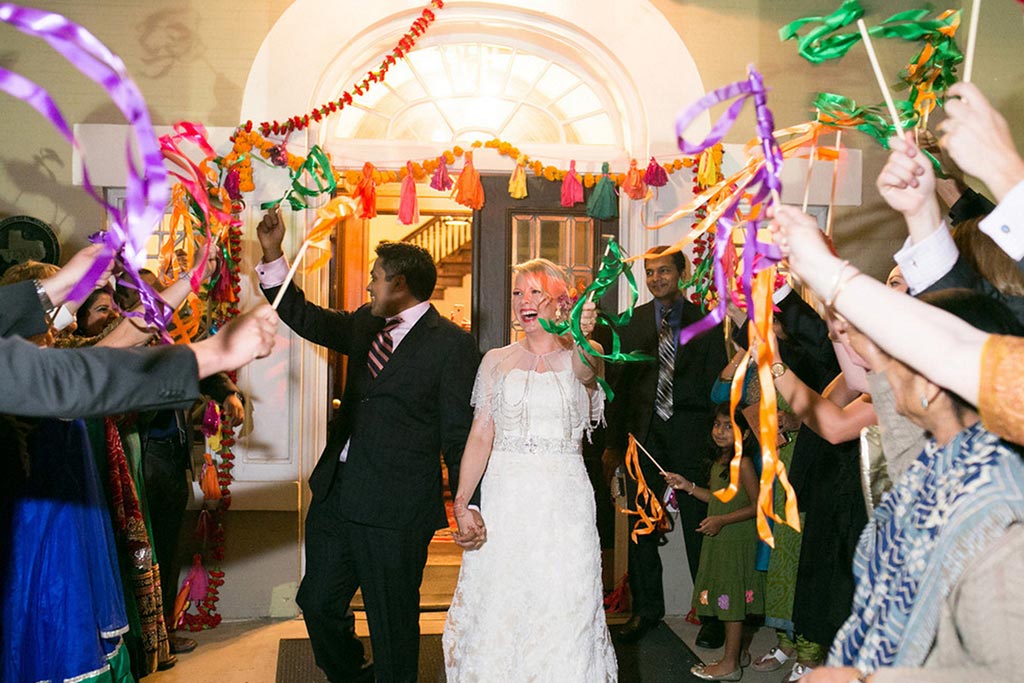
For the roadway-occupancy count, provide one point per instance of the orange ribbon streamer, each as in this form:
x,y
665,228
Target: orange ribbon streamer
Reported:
x,y
647,522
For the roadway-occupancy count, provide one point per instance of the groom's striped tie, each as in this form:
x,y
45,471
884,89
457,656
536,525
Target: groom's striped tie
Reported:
x,y
381,348
666,368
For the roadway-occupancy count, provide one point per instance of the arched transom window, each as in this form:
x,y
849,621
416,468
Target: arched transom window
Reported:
x,y
464,90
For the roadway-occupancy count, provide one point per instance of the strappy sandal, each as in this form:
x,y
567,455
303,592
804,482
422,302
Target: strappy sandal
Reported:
x,y
773,660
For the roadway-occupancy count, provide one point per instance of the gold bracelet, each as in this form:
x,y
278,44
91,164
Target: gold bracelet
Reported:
x,y
837,284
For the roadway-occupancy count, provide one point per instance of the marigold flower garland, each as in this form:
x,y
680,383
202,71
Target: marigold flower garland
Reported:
x,y
404,46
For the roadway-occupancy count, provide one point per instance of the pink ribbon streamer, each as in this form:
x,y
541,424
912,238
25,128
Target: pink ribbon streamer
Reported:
x,y
146,192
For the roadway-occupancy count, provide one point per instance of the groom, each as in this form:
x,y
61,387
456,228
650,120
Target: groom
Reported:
x,y
377,492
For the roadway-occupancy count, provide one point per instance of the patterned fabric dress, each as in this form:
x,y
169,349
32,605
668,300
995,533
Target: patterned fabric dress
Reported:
x,y
727,585
528,604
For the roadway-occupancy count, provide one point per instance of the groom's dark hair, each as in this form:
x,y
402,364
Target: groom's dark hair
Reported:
x,y
413,263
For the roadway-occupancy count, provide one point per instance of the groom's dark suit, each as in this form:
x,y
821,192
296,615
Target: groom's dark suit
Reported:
x,y
372,516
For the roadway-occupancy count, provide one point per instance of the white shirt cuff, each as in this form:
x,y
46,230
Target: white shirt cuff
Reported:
x,y
923,263
781,293
1004,224
272,274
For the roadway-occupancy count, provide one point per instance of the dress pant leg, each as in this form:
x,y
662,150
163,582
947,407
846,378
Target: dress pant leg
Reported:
x,y
327,588
647,592
163,471
390,566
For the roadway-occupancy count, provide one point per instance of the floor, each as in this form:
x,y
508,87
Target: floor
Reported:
x,y
246,651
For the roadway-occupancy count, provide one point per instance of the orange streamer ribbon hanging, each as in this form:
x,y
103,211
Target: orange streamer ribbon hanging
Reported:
x,y
649,510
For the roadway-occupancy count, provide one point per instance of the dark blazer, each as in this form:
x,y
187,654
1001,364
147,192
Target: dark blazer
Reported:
x,y
962,275
84,382
698,364
399,423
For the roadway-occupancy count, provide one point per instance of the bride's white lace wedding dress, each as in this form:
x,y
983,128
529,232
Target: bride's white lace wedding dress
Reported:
x,y
528,605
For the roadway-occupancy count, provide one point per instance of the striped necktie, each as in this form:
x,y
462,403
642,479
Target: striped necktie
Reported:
x,y
666,368
381,348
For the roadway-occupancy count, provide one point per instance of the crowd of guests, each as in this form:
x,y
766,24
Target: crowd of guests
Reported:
x,y
900,423
93,507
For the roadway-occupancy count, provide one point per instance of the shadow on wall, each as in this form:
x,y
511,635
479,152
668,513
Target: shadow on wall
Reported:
x,y
39,183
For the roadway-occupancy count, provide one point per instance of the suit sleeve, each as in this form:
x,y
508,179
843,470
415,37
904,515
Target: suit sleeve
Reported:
x,y
329,328
456,388
21,314
42,382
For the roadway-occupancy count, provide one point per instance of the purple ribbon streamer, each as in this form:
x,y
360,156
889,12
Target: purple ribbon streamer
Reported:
x,y
763,182
146,191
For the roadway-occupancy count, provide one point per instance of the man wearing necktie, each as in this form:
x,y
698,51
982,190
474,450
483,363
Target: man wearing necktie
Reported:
x,y
377,491
666,404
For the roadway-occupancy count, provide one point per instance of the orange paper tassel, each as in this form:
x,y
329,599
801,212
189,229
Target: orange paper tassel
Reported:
x,y
634,185
468,190
366,192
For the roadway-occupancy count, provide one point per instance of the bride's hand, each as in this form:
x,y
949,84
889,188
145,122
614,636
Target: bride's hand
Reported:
x,y
472,532
588,318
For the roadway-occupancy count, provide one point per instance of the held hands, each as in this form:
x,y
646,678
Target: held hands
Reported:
x,y
472,532
710,526
270,232
978,139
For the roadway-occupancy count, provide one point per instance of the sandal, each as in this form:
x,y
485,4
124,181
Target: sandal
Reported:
x,y
773,660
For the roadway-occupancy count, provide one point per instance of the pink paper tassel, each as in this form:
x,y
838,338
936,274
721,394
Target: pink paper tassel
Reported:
x,y
408,206
198,581
572,188
440,180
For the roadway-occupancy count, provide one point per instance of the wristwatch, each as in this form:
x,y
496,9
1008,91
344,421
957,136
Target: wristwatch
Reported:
x,y
778,370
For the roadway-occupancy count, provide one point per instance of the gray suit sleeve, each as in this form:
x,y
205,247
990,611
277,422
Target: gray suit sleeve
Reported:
x,y
43,382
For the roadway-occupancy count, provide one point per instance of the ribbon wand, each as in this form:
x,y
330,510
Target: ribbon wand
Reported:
x,y
972,39
649,456
878,75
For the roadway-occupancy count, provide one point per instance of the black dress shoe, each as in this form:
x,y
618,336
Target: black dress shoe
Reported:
x,y
364,674
636,628
711,634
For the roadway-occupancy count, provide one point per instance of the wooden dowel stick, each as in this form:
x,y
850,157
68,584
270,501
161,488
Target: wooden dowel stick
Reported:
x,y
972,38
878,75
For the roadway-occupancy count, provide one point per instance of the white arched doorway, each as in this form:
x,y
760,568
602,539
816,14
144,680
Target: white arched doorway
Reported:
x,y
318,48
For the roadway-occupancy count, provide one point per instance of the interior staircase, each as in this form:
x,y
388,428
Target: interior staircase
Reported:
x,y
449,242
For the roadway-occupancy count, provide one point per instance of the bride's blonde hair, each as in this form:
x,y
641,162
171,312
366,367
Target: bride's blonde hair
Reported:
x,y
550,278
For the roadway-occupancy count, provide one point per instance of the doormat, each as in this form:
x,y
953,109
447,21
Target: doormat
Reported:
x,y
295,662
659,657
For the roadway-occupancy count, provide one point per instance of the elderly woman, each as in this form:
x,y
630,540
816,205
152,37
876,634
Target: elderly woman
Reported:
x,y
936,598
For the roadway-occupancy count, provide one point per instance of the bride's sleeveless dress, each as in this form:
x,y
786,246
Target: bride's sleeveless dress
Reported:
x,y
528,604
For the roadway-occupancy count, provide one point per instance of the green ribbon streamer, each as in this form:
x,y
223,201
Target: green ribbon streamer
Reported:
x,y
702,280
817,45
612,266
874,119
318,166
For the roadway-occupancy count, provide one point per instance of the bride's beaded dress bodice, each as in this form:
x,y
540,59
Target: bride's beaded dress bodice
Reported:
x,y
528,604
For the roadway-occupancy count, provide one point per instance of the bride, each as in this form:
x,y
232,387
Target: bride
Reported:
x,y
528,602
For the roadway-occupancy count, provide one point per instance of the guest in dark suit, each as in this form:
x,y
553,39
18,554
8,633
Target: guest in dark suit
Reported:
x,y
666,405
377,489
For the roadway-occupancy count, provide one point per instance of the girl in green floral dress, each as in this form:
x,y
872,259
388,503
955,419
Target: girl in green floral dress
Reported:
x,y
727,585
